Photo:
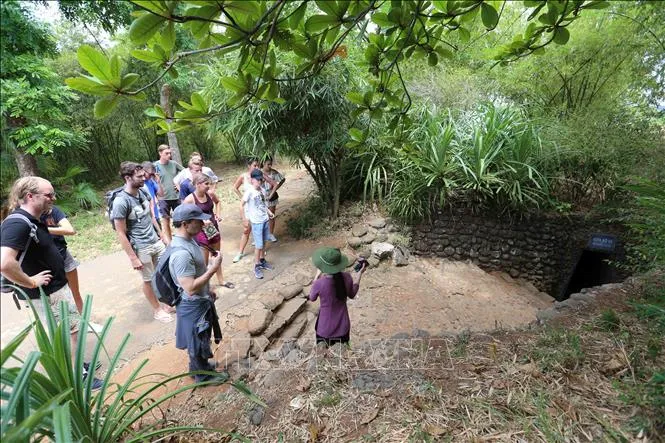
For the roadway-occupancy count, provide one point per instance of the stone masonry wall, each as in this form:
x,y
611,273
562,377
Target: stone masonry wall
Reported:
x,y
541,249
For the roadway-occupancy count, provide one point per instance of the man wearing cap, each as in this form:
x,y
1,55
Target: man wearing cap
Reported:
x,y
196,316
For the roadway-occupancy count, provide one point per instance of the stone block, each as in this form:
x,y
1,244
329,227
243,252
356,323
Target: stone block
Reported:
x,y
284,316
358,230
288,292
354,242
369,238
259,344
234,348
378,223
271,301
382,250
259,320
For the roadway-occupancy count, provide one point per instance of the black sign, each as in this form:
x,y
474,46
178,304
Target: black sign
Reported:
x,y
602,243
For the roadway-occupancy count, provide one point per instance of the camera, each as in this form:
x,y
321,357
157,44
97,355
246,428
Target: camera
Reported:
x,y
362,263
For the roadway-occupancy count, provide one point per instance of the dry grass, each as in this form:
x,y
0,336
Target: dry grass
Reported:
x,y
576,380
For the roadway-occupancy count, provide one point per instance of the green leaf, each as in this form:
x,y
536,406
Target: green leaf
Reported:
x,y
443,52
234,84
155,112
328,7
356,134
88,86
382,20
244,7
432,59
104,106
148,56
356,98
200,28
167,38
464,34
317,23
145,27
597,4
561,35
199,103
441,5
155,6
115,71
532,3
489,16
128,80
95,63
297,16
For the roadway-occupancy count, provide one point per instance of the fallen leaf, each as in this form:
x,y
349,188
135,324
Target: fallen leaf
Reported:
x,y
435,430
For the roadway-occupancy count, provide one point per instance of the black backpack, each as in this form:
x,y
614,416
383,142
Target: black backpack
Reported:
x,y
110,197
4,288
162,281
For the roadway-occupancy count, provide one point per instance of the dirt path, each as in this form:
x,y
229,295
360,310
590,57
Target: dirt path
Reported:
x,y
428,294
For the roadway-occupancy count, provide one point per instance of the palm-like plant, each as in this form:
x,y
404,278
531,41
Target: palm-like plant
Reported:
x,y
58,403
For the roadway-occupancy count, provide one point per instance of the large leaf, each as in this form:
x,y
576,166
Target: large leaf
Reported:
x,y
561,35
88,86
145,27
317,23
234,84
128,80
167,38
95,63
156,6
489,15
148,56
328,7
199,103
105,105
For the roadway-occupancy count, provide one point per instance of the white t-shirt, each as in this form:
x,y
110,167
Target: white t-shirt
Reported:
x,y
187,174
255,206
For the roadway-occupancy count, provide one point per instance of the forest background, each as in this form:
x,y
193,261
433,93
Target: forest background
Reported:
x,y
575,128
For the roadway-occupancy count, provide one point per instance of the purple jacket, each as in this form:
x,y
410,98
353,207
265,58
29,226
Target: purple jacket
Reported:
x,y
333,321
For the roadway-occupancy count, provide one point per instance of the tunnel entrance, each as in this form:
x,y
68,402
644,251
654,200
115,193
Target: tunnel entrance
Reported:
x,y
593,267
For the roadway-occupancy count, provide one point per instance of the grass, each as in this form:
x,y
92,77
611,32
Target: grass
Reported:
x,y
557,348
94,235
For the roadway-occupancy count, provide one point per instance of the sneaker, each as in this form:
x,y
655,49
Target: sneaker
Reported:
x,y
265,265
213,379
96,383
258,273
86,366
238,257
163,316
95,328
272,238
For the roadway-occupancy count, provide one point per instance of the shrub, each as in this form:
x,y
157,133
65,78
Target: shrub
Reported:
x,y
58,403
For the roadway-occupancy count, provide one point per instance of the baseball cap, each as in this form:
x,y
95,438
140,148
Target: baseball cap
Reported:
x,y
189,211
256,174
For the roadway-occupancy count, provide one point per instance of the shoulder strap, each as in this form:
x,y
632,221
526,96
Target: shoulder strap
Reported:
x,y
31,237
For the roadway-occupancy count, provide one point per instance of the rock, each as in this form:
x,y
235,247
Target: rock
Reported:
x,y
382,250
354,242
378,223
546,315
295,356
392,228
449,250
369,238
367,381
259,320
373,262
364,252
381,237
358,230
284,315
271,301
304,279
272,355
584,298
259,344
420,333
288,292
293,331
235,348
514,273
287,347
567,304
274,378
256,415
400,336
399,256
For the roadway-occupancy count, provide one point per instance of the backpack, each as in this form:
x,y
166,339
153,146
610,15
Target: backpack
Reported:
x,y
162,281
110,198
32,237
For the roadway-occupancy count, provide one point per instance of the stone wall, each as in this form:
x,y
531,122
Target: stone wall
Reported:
x,y
542,249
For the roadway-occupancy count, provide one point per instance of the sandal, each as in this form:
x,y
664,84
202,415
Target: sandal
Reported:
x,y
228,285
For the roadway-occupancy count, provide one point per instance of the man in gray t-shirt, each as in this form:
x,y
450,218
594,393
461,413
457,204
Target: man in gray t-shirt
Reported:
x,y
196,308
167,169
138,232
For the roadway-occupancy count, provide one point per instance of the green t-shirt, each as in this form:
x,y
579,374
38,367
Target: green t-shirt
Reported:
x,y
166,173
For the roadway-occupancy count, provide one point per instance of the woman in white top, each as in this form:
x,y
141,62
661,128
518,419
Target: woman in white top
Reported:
x,y
271,187
187,174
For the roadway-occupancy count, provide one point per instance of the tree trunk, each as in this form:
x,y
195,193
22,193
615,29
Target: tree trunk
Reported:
x,y
26,163
164,101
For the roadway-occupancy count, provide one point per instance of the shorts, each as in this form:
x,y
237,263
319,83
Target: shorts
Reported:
x,y
167,206
54,299
260,233
149,256
70,262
